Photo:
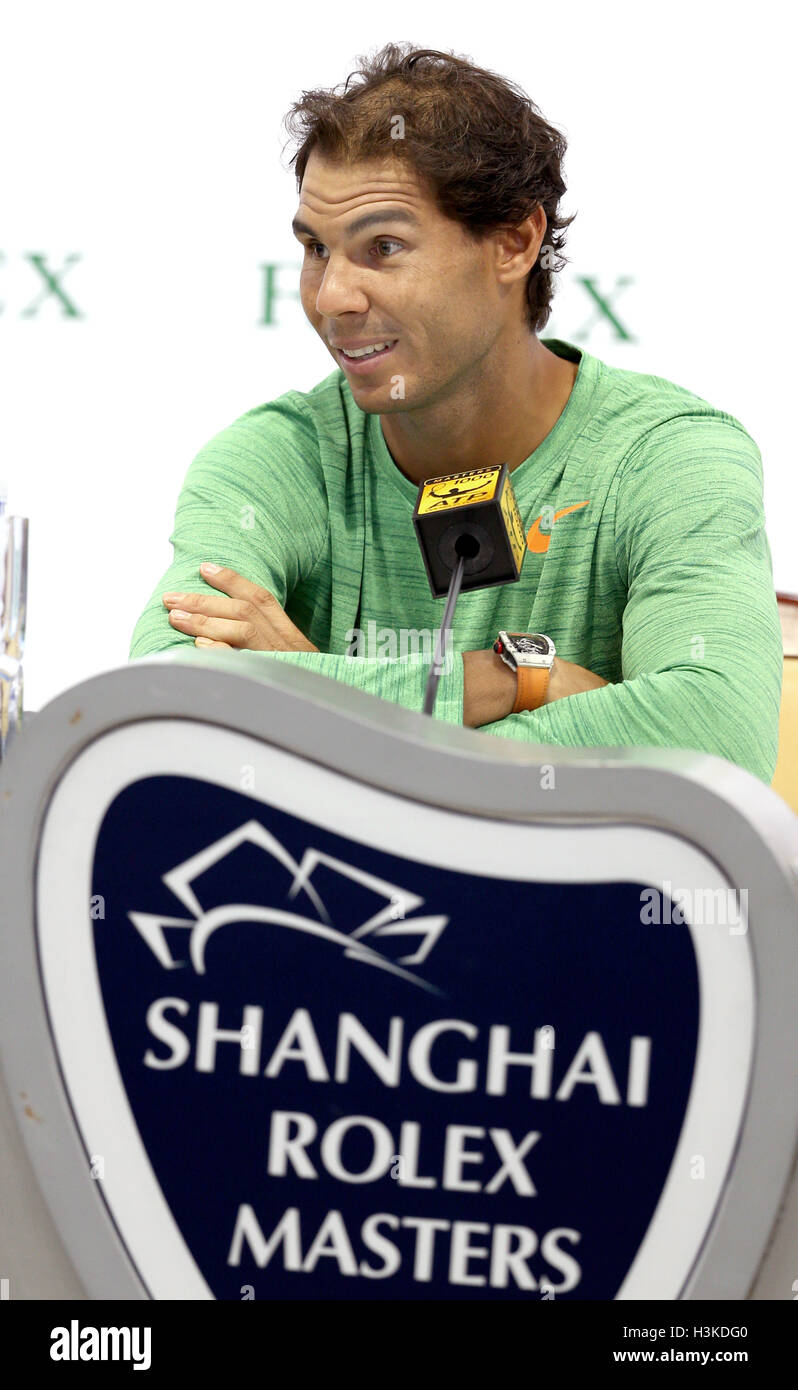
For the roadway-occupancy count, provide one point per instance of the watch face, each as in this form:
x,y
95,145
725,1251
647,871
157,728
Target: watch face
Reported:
x,y
529,642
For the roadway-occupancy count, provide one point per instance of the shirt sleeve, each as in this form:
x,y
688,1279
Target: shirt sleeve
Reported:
x,y
702,653
254,500
402,680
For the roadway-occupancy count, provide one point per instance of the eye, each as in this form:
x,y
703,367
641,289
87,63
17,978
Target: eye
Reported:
x,y
310,248
387,241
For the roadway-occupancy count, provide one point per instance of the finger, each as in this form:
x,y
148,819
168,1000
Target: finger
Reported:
x,y
271,629
227,630
207,642
212,605
234,584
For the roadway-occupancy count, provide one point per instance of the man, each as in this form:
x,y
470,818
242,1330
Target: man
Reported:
x,y
428,215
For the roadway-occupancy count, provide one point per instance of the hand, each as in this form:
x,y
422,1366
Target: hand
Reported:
x,y
241,616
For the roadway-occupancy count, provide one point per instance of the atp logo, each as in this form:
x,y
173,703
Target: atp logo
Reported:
x,y
390,927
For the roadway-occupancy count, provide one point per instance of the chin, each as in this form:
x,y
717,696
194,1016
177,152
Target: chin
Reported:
x,y
388,406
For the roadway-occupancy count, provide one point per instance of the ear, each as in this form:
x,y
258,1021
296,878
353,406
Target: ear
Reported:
x,y
516,249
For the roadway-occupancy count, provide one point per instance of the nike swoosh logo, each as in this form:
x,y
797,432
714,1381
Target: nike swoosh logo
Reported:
x,y
537,541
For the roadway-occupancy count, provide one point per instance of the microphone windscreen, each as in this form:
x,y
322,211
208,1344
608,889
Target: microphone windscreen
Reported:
x,y
474,514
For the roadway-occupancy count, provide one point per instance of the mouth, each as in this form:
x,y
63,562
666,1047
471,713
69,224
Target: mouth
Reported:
x,y
360,366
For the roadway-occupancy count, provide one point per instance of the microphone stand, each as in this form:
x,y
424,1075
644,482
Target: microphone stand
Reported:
x,y
440,641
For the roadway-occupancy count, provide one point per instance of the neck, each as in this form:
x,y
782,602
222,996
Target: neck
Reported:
x,y
500,414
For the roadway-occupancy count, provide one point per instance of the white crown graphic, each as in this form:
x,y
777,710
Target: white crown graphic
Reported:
x,y
389,923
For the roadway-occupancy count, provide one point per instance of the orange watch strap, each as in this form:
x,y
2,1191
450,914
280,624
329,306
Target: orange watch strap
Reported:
x,y
533,683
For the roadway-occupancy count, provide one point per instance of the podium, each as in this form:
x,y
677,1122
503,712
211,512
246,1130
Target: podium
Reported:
x,y
305,995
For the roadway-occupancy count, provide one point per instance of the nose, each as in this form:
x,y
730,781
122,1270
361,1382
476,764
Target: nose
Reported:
x,y
339,292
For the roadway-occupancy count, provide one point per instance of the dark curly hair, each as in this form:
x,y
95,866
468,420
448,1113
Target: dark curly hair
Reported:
x,y
475,140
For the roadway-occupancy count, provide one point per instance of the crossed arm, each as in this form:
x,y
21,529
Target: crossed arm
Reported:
x,y
701,657
241,615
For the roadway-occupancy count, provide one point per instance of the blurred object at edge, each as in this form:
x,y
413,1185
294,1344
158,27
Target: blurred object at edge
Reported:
x,y
13,594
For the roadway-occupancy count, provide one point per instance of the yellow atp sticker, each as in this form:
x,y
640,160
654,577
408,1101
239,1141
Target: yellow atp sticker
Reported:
x,y
515,526
458,490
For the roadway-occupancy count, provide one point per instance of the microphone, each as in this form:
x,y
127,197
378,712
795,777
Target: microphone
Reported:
x,y
471,536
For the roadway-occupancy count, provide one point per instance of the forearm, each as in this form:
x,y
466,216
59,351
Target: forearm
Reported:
x,y
401,681
489,689
688,707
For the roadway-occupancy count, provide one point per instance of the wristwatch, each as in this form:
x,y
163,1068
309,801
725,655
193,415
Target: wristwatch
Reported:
x,y
531,655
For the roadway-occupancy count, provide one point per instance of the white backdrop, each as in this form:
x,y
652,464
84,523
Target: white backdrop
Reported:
x,y
141,167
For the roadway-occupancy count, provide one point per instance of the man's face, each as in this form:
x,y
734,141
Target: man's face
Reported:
x,y
411,278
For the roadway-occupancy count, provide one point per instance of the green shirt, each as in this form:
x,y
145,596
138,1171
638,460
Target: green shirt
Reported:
x,y
658,578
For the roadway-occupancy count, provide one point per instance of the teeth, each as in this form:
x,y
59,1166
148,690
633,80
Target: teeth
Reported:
x,y
365,352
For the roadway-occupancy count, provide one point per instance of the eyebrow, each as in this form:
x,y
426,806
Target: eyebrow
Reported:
x,y
371,219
